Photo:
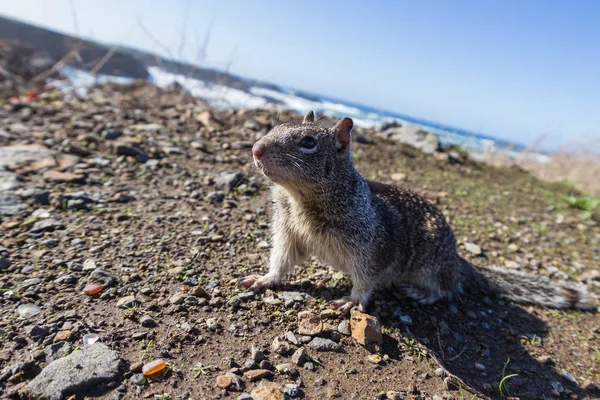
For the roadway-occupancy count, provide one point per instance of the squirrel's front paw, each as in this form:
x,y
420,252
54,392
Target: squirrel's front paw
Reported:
x,y
255,283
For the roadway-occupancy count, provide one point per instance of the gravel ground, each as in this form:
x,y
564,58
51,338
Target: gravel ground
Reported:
x,y
152,201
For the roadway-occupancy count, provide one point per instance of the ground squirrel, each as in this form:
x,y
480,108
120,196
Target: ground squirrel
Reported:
x,y
382,236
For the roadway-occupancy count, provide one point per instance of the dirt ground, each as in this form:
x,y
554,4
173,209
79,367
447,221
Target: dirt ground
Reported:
x,y
142,195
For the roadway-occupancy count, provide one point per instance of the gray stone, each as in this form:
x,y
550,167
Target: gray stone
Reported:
x,y
257,354
291,389
46,225
9,181
237,383
212,324
89,367
299,357
39,196
147,322
178,298
131,151
13,369
21,153
37,332
344,327
415,136
472,248
101,276
10,204
321,344
227,181
57,350
240,298
281,347
28,310
4,263
67,280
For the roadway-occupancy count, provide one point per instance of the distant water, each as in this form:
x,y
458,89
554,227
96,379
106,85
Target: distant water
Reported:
x,y
258,97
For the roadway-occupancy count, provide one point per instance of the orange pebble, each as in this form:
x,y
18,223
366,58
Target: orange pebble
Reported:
x,y
153,367
91,290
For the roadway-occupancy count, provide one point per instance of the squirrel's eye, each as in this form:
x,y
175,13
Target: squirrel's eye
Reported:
x,y
308,142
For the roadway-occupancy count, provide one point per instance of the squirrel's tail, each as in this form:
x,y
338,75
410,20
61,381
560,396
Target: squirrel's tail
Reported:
x,y
524,288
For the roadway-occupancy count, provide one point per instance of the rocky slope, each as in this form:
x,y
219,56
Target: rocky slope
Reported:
x,y
129,215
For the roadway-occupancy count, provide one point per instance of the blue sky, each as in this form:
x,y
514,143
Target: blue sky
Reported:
x,y
518,70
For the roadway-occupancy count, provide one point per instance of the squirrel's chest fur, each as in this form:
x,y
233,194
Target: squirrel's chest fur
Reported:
x,y
336,237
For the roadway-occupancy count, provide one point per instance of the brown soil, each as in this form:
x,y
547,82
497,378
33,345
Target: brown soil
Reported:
x,y
163,227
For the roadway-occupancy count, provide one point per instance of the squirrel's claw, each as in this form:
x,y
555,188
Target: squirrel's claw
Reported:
x,y
254,283
248,281
343,305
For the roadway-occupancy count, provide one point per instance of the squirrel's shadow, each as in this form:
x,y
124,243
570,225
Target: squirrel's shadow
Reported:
x,y
478,341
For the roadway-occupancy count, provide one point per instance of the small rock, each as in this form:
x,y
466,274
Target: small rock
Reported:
x,y
257,354
568,376
344,327
237,383
228,181
291,389
473,248
62,336
46,225
267,391
287,368
138,379
393,395
281,347
257,374
557,387
131,151
4,263
299,357
178,298
366,329
321,344
309,323
399,176
212,324
439,372
58,176
374,359
223,381
290,337
89,367
480,367
28,310
66,280
100,276
147,322
127,302
37,332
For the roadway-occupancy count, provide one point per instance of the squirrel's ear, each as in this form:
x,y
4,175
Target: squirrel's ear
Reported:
x,y
309,118
343,131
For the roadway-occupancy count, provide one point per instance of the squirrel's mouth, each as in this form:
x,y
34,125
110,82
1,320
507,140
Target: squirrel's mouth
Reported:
x,y
269,173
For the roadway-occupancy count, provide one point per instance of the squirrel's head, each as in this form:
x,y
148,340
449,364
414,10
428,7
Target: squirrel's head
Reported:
x,y
305,155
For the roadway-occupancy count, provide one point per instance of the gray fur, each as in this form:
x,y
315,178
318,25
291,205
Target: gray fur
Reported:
x,y
376,233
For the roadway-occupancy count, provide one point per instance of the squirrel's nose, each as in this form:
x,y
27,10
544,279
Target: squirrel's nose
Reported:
x,y
257,150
